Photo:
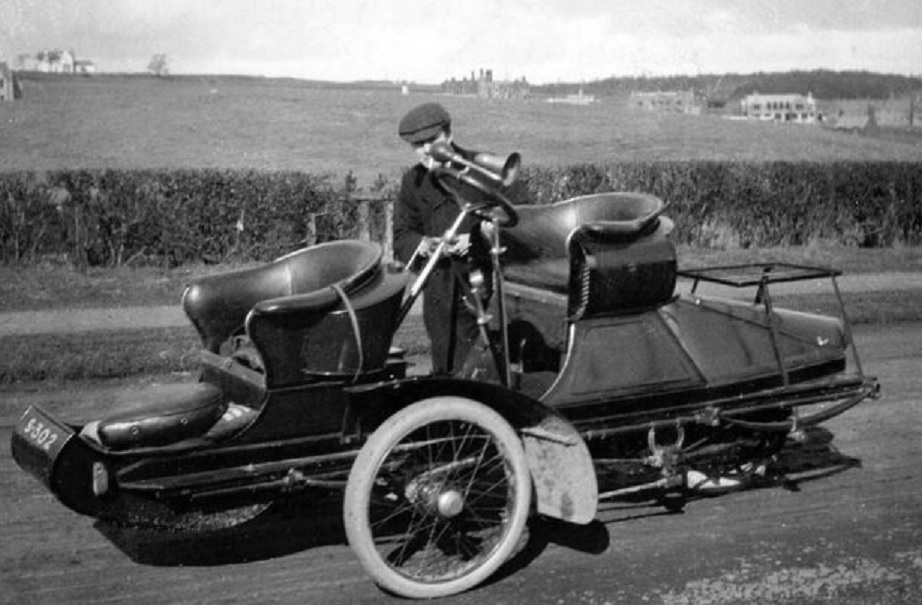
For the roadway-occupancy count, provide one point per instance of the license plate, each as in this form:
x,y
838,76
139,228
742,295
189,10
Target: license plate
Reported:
x,y
43,433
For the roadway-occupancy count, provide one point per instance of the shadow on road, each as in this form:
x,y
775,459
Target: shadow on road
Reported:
x,y
811,458
303,523
285,527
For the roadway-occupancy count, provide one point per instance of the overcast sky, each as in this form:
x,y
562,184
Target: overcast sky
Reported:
x,y
428,41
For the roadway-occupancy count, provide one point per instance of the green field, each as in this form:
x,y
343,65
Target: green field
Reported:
x,y
191,122
146,123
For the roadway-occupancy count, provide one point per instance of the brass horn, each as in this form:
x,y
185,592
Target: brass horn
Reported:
x,y
495,167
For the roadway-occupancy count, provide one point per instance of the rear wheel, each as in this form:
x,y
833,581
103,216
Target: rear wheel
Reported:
x,y
437,498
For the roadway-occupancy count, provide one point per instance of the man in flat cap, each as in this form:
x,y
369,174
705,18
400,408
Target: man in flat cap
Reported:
x,y
424,210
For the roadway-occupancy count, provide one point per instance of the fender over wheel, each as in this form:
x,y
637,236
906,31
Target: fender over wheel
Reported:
x,y
437,498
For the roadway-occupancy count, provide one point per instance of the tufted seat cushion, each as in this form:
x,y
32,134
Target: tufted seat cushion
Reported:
x,y
159,415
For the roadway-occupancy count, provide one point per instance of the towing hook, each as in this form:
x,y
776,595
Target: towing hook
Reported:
x,y
679,440
665,457
797,433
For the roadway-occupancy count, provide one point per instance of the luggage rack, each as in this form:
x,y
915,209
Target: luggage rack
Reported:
x,y
757,274
760,275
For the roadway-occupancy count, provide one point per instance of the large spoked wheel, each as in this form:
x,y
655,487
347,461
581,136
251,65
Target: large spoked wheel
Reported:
x,y
437,498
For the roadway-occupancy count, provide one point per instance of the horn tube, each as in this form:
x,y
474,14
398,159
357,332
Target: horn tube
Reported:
x,y
497,168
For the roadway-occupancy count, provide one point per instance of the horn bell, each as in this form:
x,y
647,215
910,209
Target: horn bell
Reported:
x,y
503,169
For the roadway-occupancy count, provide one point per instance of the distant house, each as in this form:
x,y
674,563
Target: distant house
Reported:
x,y
25,62
56,61
67,61
84,66
665,101
9,85
780,107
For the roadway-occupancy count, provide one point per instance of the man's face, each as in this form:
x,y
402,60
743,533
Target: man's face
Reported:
x,y
422,149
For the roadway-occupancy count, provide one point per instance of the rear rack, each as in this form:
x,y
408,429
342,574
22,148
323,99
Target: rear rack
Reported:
x,y
760,275
757,274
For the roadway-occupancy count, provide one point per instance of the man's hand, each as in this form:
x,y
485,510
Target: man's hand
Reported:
x,y
427,246
460,245
456,247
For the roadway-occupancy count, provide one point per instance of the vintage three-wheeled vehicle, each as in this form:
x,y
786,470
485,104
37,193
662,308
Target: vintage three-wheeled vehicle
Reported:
x,y
596,379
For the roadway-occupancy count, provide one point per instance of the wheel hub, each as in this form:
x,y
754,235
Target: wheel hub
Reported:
x,y
446,501
450,503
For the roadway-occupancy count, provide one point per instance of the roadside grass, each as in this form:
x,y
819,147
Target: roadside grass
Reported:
x,y
109,354
121,353
847,259
58,358
98,355
57,285
54,284
875,308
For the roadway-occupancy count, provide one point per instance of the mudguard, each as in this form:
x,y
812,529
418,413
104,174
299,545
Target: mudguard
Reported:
x,y
560,464
561,470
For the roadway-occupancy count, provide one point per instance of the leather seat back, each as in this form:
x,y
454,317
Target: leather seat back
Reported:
x,y
543,232
607,252
328,334
217,305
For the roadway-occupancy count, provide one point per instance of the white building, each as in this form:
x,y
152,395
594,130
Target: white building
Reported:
x,y
780,107
56,61
84,66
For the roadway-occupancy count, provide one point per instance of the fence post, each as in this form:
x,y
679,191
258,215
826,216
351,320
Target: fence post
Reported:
x,y
311,237
364,220
365,214
389,230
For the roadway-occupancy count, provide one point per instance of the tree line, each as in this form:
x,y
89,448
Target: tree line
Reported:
x,y
821,83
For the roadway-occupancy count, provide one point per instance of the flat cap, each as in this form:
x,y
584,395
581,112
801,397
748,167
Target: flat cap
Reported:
x,y
423,122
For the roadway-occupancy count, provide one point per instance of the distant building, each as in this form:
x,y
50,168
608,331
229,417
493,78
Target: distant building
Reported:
x,y
780,107
667,101
577,99
896,112
485,87
84,66
25,62
67,61
9,84
56,61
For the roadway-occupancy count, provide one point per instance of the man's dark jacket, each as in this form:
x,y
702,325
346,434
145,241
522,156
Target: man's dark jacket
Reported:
x,y
425,208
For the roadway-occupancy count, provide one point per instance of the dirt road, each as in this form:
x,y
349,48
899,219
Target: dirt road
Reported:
x,y
847,531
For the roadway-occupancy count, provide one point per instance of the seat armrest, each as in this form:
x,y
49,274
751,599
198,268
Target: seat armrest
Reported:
x,y
310,302
618,229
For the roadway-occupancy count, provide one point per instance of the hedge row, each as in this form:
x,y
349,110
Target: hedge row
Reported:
x,y
736,204
109,217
